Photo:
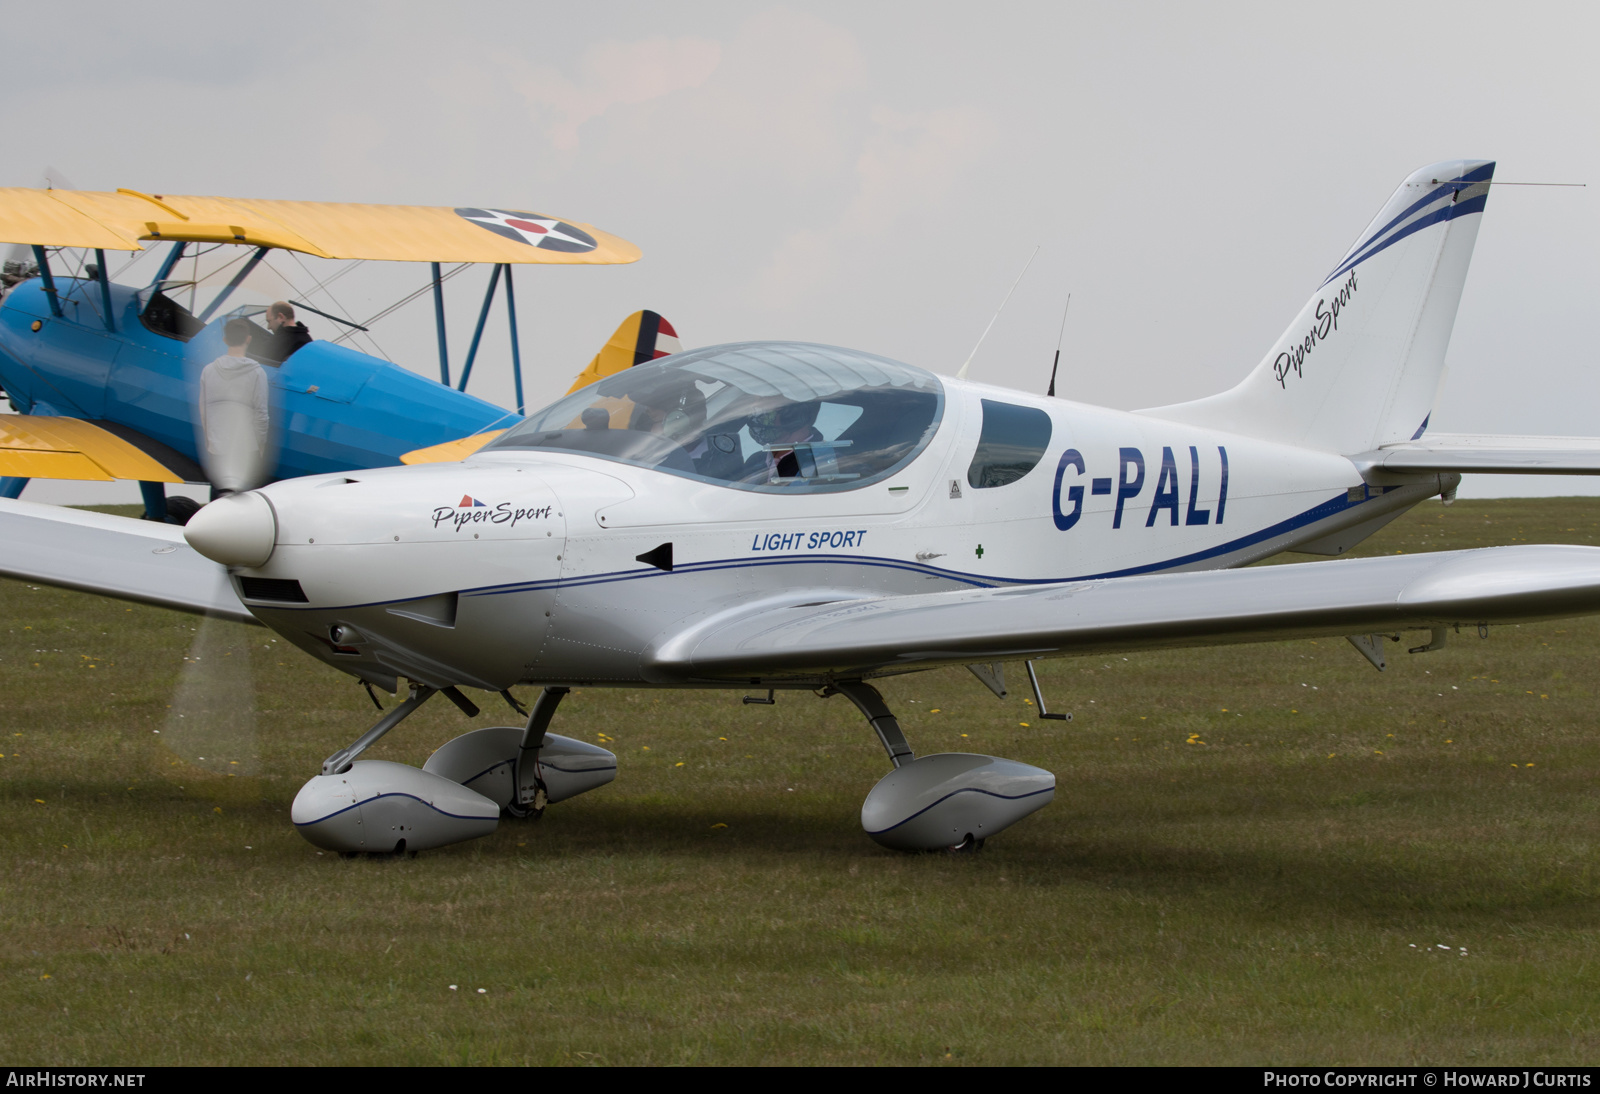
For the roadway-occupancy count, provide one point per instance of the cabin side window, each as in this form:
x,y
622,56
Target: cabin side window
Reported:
x,y
1012,444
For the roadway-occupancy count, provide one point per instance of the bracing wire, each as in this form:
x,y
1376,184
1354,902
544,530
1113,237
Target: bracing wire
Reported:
x,y
392,308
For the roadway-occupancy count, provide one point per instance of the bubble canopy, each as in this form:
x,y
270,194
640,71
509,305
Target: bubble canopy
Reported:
x,y
778,417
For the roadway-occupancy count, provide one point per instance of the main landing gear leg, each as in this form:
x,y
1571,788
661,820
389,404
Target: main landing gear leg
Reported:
x,y
531,793
878,715
950,801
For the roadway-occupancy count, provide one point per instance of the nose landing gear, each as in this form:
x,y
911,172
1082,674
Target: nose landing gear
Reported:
x,y
378,807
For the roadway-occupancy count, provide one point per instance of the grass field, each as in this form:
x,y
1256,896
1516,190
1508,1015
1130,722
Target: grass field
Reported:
x,y
1257,854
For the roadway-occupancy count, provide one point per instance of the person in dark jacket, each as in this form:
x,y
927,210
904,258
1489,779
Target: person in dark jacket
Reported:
x,y
287,335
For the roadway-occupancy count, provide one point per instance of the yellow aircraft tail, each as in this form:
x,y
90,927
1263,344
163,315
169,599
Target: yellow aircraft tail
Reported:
x,y
643,336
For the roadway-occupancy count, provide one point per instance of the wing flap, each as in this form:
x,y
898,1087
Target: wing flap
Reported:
x,y
1268,603
113,556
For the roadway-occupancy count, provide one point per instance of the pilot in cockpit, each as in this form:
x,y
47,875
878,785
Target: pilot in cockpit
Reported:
x,y
789,424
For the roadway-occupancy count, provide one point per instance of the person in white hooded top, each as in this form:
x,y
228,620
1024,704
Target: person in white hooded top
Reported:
x,y
235,415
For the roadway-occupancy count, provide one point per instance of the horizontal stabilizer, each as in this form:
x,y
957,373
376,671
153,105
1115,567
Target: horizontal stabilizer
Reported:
x,y
38,447
114,556
845,638
1463,452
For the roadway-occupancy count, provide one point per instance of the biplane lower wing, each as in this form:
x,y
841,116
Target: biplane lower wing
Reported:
x,y
879,635
38,447
451,451
114,556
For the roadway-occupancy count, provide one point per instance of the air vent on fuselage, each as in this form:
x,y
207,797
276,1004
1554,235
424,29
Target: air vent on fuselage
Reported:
x,y
283,590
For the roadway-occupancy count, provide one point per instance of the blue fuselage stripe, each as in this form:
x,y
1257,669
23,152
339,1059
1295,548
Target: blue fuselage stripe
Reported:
x,y
1332,507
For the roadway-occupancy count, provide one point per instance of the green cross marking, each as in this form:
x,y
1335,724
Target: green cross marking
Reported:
x,y
980,550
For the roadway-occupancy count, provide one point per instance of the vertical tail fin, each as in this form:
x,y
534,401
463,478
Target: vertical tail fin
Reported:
x,y
1361,364
641,337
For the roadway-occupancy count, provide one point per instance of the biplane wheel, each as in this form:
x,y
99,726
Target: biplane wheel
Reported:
x,y
180,509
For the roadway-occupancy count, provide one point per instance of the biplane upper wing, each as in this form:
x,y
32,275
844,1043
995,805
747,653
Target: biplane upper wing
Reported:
x,y
39,447
123,220
843,636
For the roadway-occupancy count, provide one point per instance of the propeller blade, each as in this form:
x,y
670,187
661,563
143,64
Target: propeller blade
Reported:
x,y
212,723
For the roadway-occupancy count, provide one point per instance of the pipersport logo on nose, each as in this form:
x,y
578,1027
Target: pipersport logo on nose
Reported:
x,y
469,510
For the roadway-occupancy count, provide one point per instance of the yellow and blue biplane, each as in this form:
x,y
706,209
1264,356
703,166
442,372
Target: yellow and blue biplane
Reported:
x,y
102,375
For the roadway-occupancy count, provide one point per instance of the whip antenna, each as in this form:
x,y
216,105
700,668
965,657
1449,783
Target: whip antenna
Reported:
x,y
962,373
1057,363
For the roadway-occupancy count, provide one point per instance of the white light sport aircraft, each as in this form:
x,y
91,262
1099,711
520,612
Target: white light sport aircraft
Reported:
x,y
780,515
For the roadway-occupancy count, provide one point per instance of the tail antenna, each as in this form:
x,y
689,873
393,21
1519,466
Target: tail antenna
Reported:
x,y
1051,393
962,373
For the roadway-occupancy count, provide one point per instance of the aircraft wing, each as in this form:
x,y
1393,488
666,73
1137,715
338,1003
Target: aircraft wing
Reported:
x,y
878,635
1464,452
113,556
40,447
120,221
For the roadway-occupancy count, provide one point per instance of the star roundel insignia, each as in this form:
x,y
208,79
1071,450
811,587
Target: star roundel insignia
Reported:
x,y
533,229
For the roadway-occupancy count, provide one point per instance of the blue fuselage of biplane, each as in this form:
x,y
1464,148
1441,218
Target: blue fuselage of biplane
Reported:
x,y
334,409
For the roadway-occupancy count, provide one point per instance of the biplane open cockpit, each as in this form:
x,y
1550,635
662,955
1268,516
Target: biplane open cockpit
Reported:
x,y
103,375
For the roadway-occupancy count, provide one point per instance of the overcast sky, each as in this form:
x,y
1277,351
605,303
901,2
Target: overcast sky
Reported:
x,y
876,175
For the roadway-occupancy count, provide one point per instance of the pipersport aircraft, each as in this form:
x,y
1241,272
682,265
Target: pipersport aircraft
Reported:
x,y
105,375
775,515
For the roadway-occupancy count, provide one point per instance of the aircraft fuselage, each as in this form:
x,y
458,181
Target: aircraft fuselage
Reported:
x,y
523,566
